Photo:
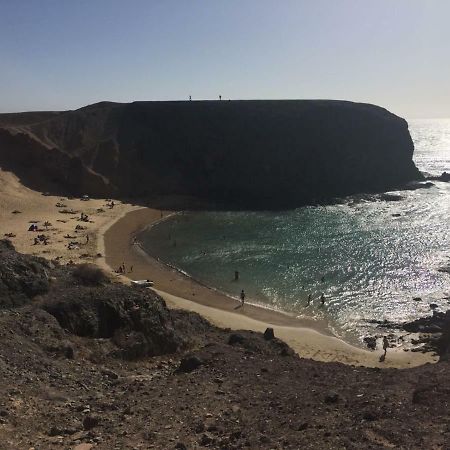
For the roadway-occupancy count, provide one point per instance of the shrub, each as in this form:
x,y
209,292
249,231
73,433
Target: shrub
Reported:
x,y
90,274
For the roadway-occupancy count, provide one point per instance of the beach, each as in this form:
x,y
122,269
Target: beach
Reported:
x,y
309,338
108,239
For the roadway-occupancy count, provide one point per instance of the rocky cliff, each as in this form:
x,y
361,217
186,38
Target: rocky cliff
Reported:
x,y
232,153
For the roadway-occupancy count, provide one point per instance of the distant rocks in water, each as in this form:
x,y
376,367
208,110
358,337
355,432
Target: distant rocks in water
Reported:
x,y
390,197
236,154
445,177
445,269
413,185
430,324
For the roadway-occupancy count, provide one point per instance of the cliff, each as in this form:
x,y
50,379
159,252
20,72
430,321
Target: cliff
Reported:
x,y
253,154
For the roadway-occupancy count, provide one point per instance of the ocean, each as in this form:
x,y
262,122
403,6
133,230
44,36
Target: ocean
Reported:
x,y
373,260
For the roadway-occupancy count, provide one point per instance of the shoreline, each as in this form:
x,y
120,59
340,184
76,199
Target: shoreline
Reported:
x,y
309,338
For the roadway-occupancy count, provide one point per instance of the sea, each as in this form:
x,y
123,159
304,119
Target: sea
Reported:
x,y
374,260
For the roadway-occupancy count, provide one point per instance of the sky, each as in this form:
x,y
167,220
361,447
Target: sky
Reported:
x,y
65,54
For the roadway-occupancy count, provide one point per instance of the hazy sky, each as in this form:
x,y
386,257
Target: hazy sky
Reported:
x,y
64,54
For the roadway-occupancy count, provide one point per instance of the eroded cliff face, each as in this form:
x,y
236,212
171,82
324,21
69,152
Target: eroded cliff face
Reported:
x,y
254,154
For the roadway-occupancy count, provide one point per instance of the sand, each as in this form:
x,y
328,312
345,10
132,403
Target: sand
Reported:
x,y
111,242
19,206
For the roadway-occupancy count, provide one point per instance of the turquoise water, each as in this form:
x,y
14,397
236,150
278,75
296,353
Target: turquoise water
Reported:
x,y
374,256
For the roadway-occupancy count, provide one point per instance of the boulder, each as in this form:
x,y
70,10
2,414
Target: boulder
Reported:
x,y
137,322
189,364
21,277
269,334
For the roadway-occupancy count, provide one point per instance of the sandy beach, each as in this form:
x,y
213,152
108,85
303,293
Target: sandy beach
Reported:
x,y
107,239
309,338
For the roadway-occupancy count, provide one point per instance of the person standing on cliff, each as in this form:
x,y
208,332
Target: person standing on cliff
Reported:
x,y
242,297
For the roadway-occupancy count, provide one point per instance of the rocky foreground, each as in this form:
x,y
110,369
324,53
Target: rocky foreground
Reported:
x,y
87,363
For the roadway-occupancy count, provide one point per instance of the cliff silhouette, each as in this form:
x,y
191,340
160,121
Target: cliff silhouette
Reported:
x,y
249,154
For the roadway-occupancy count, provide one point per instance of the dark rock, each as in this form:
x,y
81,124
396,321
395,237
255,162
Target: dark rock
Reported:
x,y
303,426
136,321
54,431
413,185
331,397
235,339
90,422
21,277
445,176
180,446
199,427
206,439
269,334
189,364
391,197
371,342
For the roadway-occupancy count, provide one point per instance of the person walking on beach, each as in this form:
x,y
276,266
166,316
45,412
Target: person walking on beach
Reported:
x,y
385,345
242,297
309,299
322,299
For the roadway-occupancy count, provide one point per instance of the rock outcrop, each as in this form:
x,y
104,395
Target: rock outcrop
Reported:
x,y
21,277
256,154
137,321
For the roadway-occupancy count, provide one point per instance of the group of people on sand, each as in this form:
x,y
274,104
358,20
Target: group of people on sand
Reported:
x,y
122,269
41,239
